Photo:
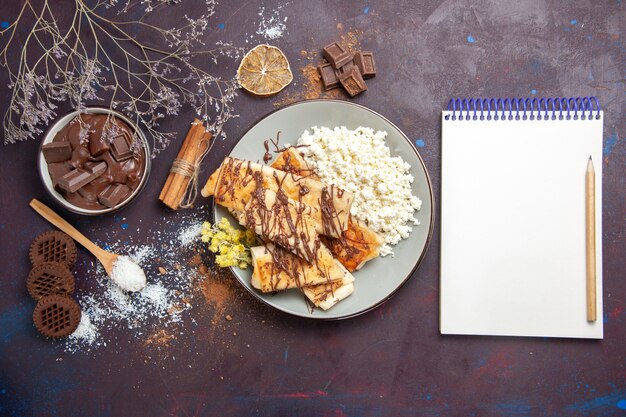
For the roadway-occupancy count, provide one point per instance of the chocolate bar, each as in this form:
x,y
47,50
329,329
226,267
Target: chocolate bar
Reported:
x,y
120,147
96,169
77,178
336,55
345,69
56,151
57,170
353,82
113,194
98,144
365,62
74,179
329,76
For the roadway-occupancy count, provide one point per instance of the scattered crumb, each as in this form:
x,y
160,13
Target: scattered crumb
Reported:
x,y
162,270
229,317
217,287
310,88
272,27
195,260
351,40
159,338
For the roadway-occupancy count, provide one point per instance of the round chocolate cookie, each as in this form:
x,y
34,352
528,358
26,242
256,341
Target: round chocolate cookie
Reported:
x,y
53,246
50,278
56,316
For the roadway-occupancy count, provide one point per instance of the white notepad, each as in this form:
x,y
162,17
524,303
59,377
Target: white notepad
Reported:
x,y
513,218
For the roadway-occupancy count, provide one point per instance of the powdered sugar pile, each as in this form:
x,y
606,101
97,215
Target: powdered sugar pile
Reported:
x,y
107,308
272,27
86,331
189,234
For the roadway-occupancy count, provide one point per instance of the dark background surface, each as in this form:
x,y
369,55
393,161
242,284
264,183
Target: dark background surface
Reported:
x,y
391,361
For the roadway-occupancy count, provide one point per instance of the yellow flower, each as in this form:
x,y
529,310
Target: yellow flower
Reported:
x,y
224,224
221,261
230,245
221,236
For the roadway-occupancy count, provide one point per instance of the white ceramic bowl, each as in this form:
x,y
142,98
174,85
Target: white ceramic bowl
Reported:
x,y
43,166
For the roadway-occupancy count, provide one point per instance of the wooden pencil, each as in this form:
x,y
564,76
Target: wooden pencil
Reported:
x,y
590,187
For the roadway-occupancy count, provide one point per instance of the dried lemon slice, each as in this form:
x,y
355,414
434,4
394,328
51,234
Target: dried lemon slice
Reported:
x,y
264,70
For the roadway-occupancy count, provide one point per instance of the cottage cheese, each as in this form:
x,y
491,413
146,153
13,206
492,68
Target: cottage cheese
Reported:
x,y
359,161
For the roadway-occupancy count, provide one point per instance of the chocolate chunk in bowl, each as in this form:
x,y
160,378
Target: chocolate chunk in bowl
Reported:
x,y
108,152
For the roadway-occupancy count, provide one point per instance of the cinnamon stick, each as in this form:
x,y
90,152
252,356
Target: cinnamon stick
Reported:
x,y
190,145
183,169
201,148
170,177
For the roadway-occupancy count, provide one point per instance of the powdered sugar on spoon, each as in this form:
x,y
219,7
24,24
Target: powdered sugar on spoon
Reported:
x,y
127,274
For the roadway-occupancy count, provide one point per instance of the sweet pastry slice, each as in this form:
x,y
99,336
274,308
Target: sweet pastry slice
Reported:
x,y
275,217
292,161
358,243
277,269
325,296
233,183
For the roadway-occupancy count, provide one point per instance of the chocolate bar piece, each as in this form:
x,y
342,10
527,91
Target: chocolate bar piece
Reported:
x,y
336,55
120,147
77,178
56,151
98,144
329,76
97,168
353,82
57,170
345,69
365,62
74,179
113,194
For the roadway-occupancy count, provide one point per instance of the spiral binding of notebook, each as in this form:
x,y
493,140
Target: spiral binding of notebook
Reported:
x,y
514,108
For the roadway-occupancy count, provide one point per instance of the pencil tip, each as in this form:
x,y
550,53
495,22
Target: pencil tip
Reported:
x,y
590,157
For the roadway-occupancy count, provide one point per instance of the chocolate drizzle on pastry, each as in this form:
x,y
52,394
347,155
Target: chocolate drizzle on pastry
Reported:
x,y
356,244
273,203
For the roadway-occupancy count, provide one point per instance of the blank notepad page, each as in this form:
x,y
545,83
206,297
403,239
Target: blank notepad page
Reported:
x,y
513,225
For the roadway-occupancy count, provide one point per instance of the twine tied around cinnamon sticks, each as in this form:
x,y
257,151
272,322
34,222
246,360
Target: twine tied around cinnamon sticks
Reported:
x,y
181,187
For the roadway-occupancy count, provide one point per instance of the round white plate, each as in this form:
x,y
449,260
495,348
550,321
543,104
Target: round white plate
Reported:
x,y
380,278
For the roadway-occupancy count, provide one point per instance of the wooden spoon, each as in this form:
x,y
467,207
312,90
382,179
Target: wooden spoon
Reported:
x,y
107,259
